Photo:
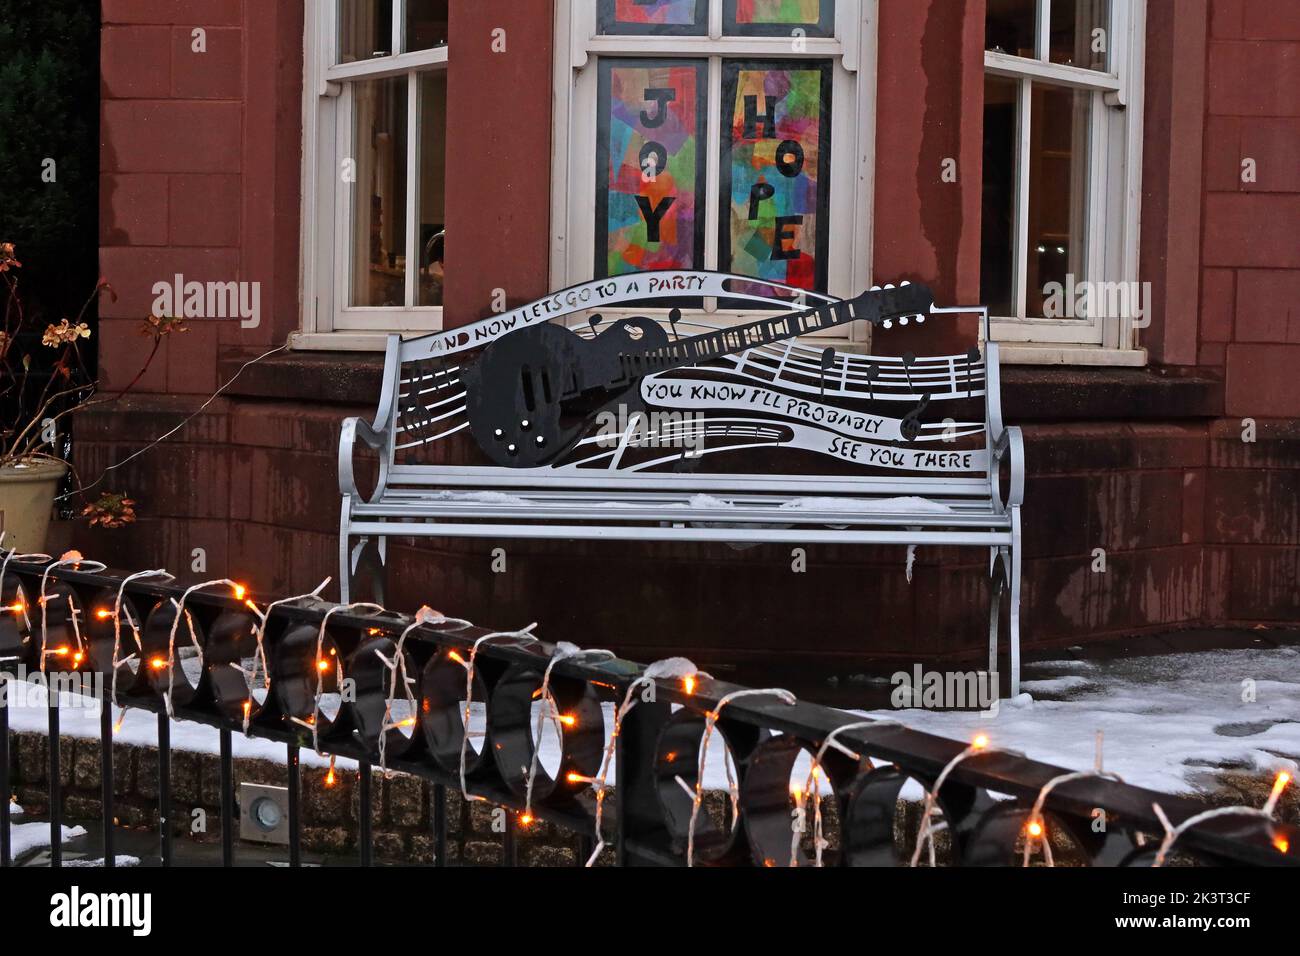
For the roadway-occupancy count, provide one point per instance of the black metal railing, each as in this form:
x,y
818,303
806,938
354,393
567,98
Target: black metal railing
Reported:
x,y
212,656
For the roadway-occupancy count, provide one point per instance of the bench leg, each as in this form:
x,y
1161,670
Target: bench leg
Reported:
x,y
345,564
369,556
1015,601
997,585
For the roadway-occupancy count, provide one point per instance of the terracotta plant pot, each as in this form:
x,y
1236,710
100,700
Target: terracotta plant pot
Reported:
x,y
26,500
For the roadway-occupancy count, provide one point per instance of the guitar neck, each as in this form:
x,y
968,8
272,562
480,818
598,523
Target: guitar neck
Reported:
x,y
720,342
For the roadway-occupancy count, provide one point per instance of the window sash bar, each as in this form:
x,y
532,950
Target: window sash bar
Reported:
x,y
380,67
413,109
1020,254
1016,67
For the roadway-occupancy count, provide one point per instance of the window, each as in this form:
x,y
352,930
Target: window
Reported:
x,y
374,223
698,134
1062,122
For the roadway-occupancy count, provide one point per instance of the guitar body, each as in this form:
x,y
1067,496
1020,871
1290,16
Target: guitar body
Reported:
x,y
532,392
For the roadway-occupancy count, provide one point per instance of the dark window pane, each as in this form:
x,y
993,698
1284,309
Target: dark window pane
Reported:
x,y
426,24
1010,26
431,200
1058,191
1080,33
365,29
379,205
999,195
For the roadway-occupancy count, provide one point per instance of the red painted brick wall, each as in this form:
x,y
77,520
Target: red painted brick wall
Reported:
x,y
1250,253
200,165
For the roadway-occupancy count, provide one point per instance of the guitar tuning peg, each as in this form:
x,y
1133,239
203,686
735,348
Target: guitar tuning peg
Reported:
x,y
889,285
920,319
902,320
889,323
875,288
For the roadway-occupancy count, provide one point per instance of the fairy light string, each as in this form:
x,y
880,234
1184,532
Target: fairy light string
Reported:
x,y
710,720
669,668
182,611
68,559
117,661
563,651
925,834
34,557
517,638
1172,833
423,616
312,723
676,668
814,767
263,619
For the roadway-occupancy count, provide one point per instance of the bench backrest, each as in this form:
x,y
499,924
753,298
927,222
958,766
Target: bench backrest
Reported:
x,y
790,417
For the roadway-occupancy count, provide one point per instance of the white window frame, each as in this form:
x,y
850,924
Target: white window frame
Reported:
x,y
327,200
853,129
1114,192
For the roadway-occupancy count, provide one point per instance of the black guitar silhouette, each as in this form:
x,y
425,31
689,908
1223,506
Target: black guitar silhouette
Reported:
x,y
526,384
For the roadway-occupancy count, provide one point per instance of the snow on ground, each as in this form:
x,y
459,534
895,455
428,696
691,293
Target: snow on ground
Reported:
x,y
79,717
120,859
26,837
1166,719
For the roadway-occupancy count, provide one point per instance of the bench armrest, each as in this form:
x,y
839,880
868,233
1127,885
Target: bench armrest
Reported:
x,y
355,429
1009,444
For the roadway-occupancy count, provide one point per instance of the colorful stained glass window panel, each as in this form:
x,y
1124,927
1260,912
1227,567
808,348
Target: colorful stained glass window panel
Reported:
x,y
654,16
779,17
775,174
650,165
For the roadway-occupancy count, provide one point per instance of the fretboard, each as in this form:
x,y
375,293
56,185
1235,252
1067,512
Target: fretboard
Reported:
x,y
711,345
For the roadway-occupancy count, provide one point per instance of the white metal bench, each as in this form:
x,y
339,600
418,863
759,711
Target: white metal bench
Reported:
x,y
789,443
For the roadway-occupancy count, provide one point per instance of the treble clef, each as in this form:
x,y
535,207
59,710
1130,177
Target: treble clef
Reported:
x,y
911,424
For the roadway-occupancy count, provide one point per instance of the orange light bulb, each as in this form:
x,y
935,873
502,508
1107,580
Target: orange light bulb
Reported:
x,y
240,592
525,819
688,684
103,614
1035,829
1283,844
568,720
980,742
158,663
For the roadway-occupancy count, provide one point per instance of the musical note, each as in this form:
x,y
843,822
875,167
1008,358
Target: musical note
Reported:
x,y
908,360
972,356
911,424
674,316
872,371
828,362
595,320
